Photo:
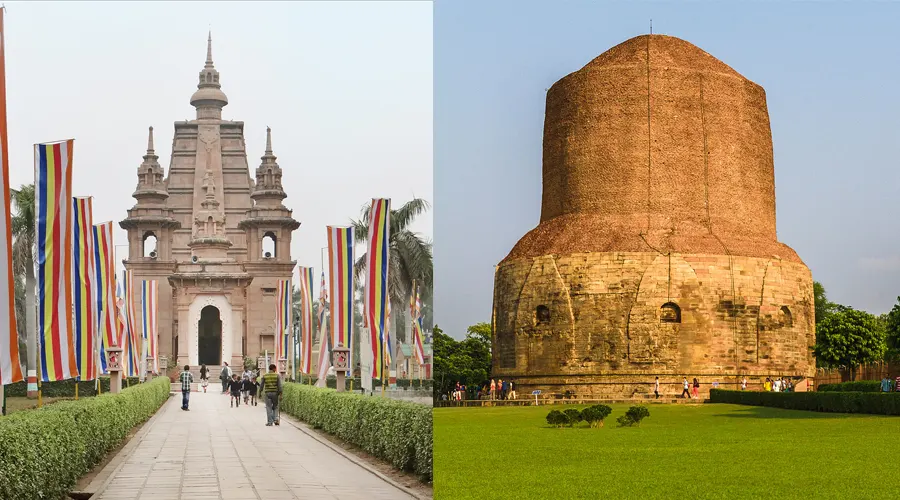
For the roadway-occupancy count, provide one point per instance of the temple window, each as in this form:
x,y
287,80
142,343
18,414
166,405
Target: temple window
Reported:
x,y
148,245
670,313
268,245
541,315
787,319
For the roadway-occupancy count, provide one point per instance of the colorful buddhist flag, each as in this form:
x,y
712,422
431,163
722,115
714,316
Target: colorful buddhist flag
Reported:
x,y
10,367
340,272
105,262
85,289
324,338
306,323
282,319
149,311
131,348
377,298
387,341
417,322
55,273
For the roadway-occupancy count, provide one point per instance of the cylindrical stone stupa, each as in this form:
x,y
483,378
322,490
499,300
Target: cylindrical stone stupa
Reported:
x,y
656,253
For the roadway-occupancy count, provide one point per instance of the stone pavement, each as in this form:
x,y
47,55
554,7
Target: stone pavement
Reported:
x,y
223,453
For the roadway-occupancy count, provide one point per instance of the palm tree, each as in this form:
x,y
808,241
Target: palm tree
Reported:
x,y
410,257
23,263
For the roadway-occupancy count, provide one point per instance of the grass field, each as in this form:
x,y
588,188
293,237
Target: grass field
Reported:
x,y
680,451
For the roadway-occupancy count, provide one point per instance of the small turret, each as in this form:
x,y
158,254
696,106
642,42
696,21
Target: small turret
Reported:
x,y
209,98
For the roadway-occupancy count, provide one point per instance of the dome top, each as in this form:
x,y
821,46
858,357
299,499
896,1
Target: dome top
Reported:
x,y
209,98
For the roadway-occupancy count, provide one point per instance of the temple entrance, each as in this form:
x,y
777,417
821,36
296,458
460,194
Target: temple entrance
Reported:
x,y
209,337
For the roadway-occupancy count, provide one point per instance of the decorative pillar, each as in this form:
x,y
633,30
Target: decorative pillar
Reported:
x,y
114,365
340,357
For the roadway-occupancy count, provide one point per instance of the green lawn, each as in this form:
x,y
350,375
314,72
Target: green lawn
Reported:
x,y
680,451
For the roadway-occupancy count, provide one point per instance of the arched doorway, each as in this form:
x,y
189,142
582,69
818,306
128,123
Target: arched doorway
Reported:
x,y
209,337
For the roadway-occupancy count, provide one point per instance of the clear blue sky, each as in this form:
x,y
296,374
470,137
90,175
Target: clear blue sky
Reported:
x,y
832,77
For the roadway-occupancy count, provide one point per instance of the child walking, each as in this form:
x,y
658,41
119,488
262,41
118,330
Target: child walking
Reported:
x,y
250,388
234,385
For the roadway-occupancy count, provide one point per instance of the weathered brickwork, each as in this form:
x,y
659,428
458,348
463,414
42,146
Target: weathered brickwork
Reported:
x,y
656,254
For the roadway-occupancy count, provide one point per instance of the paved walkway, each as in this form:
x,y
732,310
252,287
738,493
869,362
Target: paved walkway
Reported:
x,y
223,453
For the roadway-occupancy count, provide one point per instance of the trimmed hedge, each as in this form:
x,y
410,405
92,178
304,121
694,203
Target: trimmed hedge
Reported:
x,y
44,451
402,383
837,402
858,386
397,431
66,388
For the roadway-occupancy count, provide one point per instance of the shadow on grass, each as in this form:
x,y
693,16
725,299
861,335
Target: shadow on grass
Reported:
x,y
764,412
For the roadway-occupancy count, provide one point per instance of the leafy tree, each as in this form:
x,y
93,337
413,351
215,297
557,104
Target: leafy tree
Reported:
x,y
481,332
823,306
467,361
573,416
892,329
850,338
23,263
633,416
556,418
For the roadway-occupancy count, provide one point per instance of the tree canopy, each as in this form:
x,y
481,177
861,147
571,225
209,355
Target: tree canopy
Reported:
x,y
850,338
465,361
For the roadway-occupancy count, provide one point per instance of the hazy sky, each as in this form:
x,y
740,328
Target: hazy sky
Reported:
x,y
831,73
346,88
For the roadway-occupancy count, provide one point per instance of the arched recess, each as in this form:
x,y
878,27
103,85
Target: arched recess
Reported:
x,y
149,245
269,245
200,302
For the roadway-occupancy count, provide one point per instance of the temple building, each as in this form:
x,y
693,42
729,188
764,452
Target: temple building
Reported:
x,y
217,238
656,253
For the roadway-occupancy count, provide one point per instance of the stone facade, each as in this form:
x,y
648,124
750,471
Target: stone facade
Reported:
x,y
656,254
206,222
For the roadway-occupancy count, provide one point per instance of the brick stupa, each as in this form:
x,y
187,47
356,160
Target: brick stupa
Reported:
x,y
656,252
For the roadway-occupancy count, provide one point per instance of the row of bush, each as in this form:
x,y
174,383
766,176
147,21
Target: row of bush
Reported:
x,y
66,388
43,452
396,431
858,386
594,416
402,383
837,402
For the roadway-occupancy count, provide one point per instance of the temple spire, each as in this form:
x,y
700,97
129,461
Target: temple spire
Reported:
x,y
268,141
150,150
209,61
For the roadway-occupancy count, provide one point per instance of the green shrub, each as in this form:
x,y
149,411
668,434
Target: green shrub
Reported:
x,y
43,452
595,414
397,431
573,416
66,388
557,418
858,386
838,402
331,383
633,416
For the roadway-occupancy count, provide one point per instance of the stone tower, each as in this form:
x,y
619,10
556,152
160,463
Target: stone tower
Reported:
x,y
209,219
656,252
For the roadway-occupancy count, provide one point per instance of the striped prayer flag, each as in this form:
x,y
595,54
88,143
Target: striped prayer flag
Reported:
x,y
340,272
417,330
377,297
105,260
55,273
131,348
149,311
85,289
306,315
324,338
10,368
282,319
387,341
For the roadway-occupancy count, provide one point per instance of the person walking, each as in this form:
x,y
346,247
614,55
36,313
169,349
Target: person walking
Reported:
x,y
744,384
512,390
685,392
271,392
696,388
235,385
885,384
204,376
493,388
225,376
656,388
186,378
